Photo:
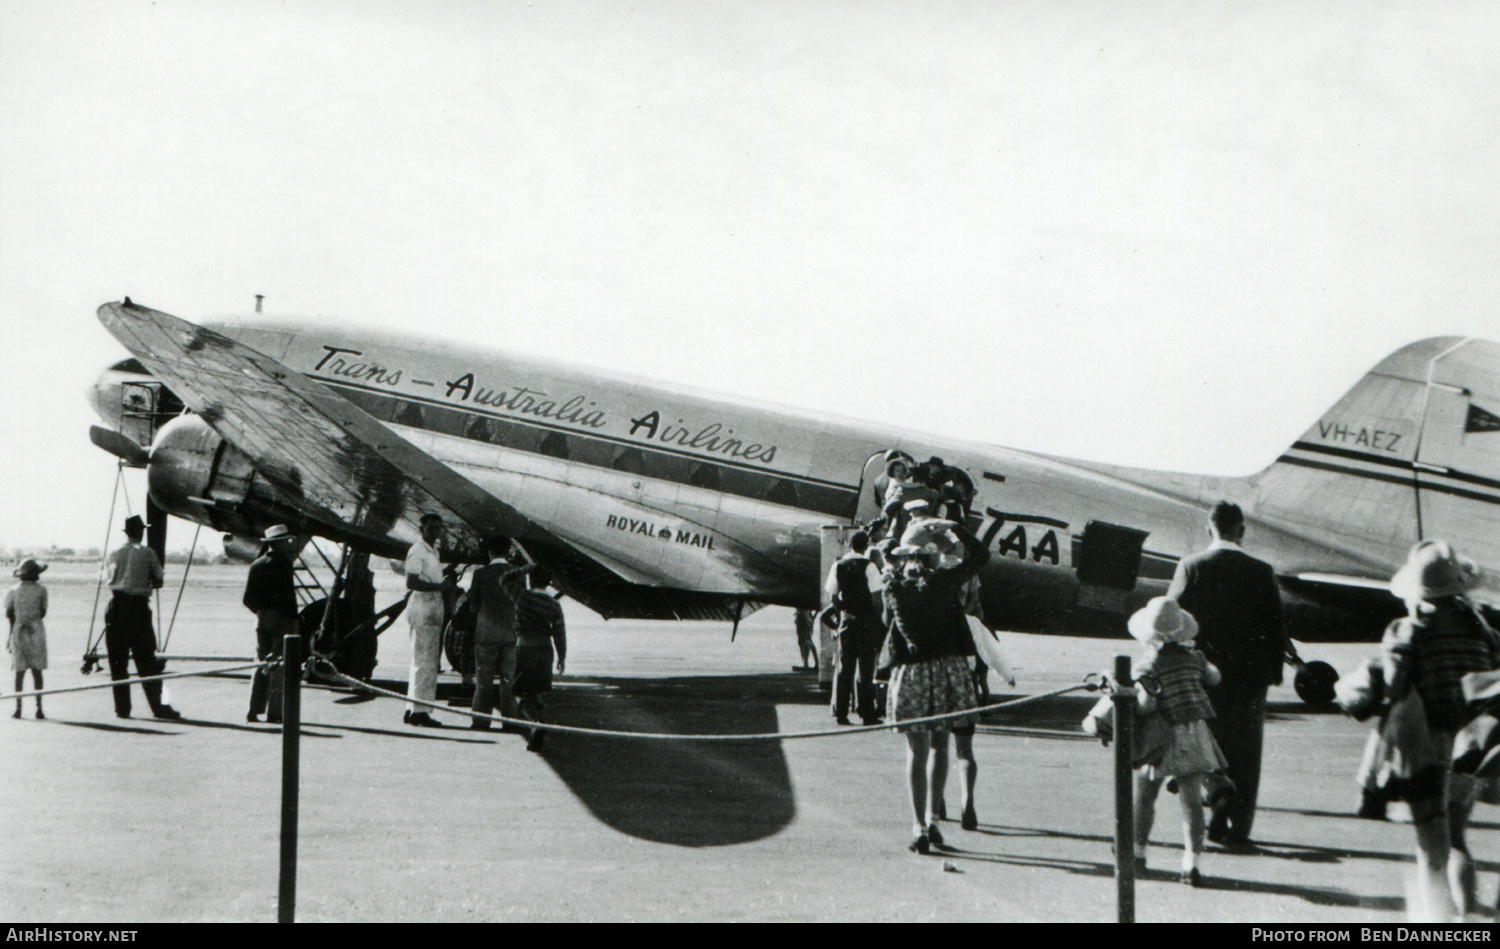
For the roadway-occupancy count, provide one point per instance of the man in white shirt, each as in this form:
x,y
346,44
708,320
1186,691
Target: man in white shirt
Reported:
x,y
424,613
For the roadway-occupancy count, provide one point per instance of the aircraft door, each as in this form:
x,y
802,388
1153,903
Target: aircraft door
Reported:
x,y
872,483
1109,559
1458,452
835,544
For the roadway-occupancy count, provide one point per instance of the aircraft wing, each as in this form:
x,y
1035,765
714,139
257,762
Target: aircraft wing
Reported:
x,y
339,463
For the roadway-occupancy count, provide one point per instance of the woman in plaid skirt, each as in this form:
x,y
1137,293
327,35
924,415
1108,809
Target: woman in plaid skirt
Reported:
x,y
930,643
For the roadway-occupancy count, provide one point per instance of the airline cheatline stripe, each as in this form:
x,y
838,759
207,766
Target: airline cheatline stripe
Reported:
x,y
1408,480
603,451
1396,463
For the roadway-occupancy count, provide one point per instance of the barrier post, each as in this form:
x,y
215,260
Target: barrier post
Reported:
x,y
291,733
1124,709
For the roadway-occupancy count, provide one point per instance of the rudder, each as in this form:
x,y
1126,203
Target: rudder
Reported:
x,y
1411,452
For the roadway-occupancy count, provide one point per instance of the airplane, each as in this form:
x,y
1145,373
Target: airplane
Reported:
x,y
650,501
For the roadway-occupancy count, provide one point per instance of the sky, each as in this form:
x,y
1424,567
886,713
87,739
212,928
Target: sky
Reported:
x,y
1162,234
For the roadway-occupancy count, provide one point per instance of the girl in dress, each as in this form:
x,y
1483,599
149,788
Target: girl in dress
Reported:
x,y
1193,756
25,605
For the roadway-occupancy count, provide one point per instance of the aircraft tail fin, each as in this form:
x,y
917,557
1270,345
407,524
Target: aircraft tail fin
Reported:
x,y
1412,452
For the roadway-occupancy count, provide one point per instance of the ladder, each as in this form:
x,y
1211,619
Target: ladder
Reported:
x,y
305,580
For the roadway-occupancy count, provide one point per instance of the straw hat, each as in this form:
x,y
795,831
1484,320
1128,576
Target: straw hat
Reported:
x,y
29,570
912,550
1163,619
1433,570
276,532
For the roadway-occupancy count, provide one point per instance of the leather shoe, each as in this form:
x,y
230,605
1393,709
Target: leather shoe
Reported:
x,y
168,713
480,724
934,836
535,742
842,719
920,844
423,720
872,720
39,715
253,718
1192,877
970,820
406,717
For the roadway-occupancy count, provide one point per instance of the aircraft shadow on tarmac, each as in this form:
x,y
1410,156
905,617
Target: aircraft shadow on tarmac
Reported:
x,y
188,722
1321,896
683,792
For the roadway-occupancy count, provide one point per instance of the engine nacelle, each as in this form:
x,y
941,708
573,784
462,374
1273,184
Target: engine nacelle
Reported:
x,y
196,475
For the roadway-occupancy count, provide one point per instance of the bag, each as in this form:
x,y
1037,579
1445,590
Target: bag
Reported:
x,y
1152,735
988,649
1361,693
829,617
892,653
1406,762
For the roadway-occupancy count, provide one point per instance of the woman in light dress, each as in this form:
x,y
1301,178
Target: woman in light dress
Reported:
x,y
25,606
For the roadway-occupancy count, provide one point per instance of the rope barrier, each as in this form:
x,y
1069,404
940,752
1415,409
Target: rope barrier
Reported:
x,y
331,671
136,681
662,736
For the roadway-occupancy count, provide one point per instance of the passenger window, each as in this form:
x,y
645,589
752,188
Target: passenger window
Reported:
x,y
554,444
629,459
705,476
782,492
408,413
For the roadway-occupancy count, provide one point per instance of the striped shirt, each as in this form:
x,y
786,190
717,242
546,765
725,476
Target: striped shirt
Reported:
x,y
539,621
1182,673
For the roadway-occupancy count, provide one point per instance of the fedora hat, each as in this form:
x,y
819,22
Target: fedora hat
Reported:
x,y
29,570
1163,618
1433,570
429,517
134,524
277,532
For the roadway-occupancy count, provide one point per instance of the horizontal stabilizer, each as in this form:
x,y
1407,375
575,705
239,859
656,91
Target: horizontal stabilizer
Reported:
x,y
1364,583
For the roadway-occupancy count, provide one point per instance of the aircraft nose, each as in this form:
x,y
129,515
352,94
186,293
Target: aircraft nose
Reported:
x,y
104,398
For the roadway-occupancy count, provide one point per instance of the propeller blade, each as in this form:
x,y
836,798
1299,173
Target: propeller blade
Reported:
x,y
118,445
156,529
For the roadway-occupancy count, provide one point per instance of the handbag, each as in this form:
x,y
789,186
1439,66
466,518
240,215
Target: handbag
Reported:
x,y
1152,734
1407,763
1361,692
893,652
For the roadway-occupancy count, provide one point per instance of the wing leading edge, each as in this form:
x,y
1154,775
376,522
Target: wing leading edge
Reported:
x,y
334,460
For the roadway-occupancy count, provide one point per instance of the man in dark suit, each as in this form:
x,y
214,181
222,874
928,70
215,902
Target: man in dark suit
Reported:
x,y
1235,600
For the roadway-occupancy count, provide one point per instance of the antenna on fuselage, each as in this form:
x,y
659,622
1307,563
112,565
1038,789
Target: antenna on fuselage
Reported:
x,y
258,297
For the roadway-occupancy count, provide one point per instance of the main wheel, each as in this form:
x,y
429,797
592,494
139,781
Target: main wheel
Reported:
x,y
1314,683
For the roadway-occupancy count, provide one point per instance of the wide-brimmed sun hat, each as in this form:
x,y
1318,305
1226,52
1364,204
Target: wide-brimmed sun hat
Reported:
x,y
912,550
1164,619
1432,570
276,532
29,570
